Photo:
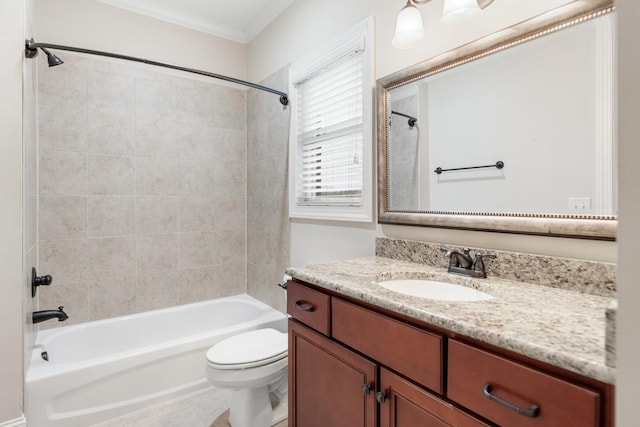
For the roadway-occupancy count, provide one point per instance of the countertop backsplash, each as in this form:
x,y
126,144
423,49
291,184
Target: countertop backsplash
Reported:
x,y
597,278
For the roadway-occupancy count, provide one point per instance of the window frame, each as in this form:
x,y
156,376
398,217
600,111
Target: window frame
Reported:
x,y
359,35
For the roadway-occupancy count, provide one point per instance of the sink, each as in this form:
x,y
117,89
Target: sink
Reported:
x,y
435,290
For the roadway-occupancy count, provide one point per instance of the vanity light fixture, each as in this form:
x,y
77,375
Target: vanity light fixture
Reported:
x,y
410,29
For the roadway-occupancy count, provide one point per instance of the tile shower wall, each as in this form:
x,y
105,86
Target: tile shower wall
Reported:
x,y
268,229
404,155
142,189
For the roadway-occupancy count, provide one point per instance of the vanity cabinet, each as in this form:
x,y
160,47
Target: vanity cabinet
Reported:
x,y
328,384
355,365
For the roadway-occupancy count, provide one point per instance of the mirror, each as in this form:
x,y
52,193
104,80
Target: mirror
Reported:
x,y
513,132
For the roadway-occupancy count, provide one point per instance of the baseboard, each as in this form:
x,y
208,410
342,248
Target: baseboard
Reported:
x,y
18,422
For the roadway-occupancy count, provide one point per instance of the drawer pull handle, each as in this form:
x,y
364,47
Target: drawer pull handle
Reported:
x,y
304,306
532,411
381,397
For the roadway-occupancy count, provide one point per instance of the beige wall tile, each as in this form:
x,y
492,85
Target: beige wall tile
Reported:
x,y
230,145
62,128
74,297
229,279
196,250
111,132
257,249
66,261
196,177
156,176
230,246
234,113
156,135
63,86
111,175
62,217
62,173
156,289
194,104
195,283
230,190
196,142
230,173
229,214
111,91
112,256
157,251
111,297
111,216
156,215
196,214
158,97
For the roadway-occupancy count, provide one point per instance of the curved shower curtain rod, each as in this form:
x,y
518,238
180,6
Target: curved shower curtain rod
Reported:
x,y
31,50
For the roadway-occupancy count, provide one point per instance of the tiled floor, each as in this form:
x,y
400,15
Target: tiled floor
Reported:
x,y
198,409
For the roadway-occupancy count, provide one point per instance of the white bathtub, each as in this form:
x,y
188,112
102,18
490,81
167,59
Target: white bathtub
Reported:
x,y
103,369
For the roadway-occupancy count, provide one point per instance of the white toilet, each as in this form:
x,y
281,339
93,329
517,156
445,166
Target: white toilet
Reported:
x,y
253,365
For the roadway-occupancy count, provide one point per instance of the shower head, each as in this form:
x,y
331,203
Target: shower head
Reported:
x,y
31,51
52,59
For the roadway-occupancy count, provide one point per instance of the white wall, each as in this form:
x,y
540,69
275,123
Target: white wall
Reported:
x,y
628,345
11,316
308,24
94,25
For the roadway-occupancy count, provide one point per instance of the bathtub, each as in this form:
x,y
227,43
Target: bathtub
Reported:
x,y
102,369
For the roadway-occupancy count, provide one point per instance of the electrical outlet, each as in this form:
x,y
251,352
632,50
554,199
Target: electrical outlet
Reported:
x,y
580,204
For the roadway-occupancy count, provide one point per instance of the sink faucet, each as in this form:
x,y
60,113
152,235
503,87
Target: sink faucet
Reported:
x,y
42,315
462,263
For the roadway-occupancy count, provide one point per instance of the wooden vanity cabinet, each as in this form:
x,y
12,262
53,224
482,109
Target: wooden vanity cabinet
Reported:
x,y
328,384
355,366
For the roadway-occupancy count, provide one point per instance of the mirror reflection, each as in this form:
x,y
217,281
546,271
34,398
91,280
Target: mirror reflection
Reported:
x,y
542,109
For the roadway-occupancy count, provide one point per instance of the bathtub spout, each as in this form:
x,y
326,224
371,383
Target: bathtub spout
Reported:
x,y
41,316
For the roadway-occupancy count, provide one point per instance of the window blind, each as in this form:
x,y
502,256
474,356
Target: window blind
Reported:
x,y
330,134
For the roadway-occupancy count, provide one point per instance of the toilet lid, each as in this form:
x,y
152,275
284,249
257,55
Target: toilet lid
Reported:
x,y
248,348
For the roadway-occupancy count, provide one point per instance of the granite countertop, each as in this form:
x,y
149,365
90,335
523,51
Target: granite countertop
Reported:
x,y
561,327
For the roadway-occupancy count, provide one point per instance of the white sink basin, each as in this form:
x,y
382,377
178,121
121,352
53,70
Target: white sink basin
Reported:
x,y
435,290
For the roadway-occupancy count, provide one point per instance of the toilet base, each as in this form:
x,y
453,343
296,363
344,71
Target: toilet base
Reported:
x,y
251,407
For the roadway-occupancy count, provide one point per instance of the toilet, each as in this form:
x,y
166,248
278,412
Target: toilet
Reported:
x,y
253,365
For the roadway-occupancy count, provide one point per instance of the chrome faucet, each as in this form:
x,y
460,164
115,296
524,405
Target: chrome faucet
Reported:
x,y
42,315
462,263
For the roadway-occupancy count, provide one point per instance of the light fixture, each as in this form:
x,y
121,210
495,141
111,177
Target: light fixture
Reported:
x,y
459,11
410,29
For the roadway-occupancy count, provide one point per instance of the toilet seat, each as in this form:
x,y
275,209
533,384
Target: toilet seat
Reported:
x,y
248,350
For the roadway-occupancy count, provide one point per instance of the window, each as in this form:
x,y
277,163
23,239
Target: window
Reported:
x,y
331,135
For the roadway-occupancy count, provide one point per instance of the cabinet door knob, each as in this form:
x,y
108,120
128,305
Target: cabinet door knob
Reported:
x,y
381,397
304,306
532,411
366,389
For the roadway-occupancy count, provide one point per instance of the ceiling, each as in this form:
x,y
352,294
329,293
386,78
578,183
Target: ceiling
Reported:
x,y
237,20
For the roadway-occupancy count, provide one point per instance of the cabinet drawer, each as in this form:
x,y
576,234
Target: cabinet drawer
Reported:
x,y
403,348
309,307
549,401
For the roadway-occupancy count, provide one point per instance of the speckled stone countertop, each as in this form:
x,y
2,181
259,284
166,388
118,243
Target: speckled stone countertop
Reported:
x,y
561,327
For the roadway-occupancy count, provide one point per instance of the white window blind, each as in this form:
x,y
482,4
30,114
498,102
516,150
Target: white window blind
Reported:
x,y
331,162
330,133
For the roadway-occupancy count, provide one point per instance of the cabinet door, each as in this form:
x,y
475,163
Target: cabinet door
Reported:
x,y
329,386
405,405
